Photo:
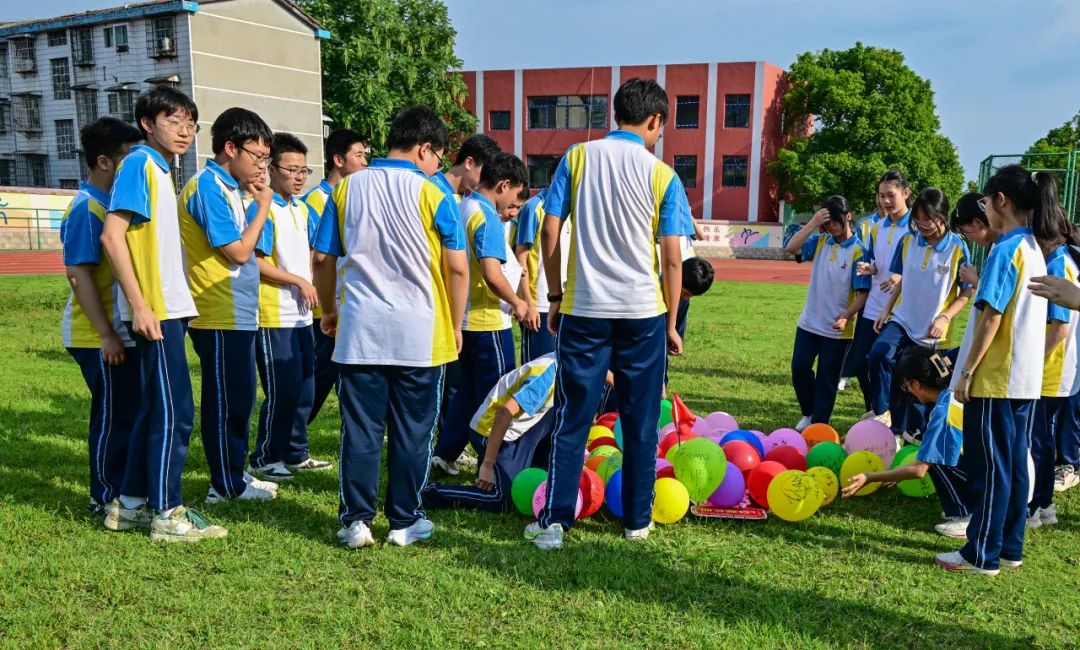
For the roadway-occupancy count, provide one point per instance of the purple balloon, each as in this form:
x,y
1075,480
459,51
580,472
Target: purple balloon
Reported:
x,y
661,463
731,489
871,435
702,427
789,437
721,421
666,429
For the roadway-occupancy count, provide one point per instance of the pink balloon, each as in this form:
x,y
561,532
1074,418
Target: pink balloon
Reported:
x,y
702,427
871,435
789,437
721,421
540,497
661,463
666,429
760,435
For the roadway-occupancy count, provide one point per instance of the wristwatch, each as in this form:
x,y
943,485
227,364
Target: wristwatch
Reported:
x,y
554,297
966,374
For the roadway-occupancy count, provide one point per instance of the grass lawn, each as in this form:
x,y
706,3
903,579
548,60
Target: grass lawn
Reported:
x,y
857,574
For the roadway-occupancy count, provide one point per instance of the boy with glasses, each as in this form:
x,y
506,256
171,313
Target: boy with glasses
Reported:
x,y
142,239
219,238
285,345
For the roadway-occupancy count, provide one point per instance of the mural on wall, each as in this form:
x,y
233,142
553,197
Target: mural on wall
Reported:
x,y
29,209
741,234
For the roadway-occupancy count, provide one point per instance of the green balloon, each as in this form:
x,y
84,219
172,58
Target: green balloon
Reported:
x,y
665,414
700,465
609,466
523,488
913,487
827,454
901,457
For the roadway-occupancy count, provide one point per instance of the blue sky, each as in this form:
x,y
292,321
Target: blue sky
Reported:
x,y
1004,72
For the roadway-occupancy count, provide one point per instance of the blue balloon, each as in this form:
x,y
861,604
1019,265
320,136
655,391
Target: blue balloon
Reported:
x,y
745,436
613,493
618,432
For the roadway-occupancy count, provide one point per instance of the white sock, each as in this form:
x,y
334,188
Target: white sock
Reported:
x,y
132,503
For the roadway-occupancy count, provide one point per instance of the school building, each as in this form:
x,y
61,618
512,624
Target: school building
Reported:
x,y
59,74
724,126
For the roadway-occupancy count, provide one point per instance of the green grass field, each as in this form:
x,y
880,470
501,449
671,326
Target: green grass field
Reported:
x,y
857,574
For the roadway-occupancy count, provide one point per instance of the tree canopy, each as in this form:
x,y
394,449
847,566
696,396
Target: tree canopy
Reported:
x,y
869,112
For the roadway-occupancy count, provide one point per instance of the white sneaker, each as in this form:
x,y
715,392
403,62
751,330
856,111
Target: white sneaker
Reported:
x,y
844,383
955,527
885,418
1048,515
910,438
1034,520
420,530
545,539
357,535
869,415
1065,477
251,493
117,517
465,460
450,468
309,464
803,423
1010,564
271,472
956,562
638,535
263,485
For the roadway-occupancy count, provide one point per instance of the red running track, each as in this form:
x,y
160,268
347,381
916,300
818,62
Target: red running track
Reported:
x,y
772,271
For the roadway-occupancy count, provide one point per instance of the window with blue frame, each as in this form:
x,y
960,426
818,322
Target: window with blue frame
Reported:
x,y
540,169
686,111
566,112
734,171
686,168
736,111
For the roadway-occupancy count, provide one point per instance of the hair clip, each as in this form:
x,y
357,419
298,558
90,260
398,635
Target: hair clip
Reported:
x,y
943,365
1034,177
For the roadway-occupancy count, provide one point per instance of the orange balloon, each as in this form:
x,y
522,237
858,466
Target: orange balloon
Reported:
x,y
594,462
819,432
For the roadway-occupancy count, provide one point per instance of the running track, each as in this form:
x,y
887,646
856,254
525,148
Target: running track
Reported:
x,y
772,271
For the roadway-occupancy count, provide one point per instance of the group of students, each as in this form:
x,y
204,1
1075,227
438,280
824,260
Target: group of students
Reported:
x,y
392,281
1010,391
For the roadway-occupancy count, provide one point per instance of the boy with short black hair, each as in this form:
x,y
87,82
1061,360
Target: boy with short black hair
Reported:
x,y
93,333
346,153
469,163
487,350
219,238
284,349
142,239
404,288
618,312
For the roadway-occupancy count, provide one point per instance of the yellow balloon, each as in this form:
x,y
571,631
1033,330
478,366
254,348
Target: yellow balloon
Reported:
x,y
861,462
671,502
794,495
598,432
827,480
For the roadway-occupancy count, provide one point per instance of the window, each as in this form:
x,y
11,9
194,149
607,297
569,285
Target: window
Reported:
x,y
736,111
162,38
82,46
686,168
122,104
499,120
69,184
3,61
107,34
65,139
57,37
540,169
61,79
734,171
116,34
7,168
31,170
4,116
686,111
86,109
568,112
27,113
25,55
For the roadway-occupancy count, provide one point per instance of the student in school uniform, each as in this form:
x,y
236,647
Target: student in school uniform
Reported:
x,y
219,242
836,294
345,152
284,349
404,287
536,339
1001,374
928,295
487,349
614,312
925,373
862,230
93,333
697,279
142,239
464,176
513,421
882,238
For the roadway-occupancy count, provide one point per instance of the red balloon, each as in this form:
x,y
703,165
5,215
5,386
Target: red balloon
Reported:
x,y
592,492
665,472
760,478
607,420
671,439
606,440
742,454
787,456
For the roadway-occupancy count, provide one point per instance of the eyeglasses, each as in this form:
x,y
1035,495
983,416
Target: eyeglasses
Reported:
x,y
432,150
260,161
300,172
176,126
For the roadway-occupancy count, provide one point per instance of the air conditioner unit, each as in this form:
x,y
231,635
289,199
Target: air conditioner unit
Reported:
x,y
165,45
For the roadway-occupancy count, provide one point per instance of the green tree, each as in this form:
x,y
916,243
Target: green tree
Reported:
x,y
869,111
1062,139
387,55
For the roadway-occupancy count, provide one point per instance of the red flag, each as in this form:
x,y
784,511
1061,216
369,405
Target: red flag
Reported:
x,y
681,416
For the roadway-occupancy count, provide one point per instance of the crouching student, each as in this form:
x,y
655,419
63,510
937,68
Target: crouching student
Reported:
x,y
925,374
93,333
515,418
836,294
697,279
